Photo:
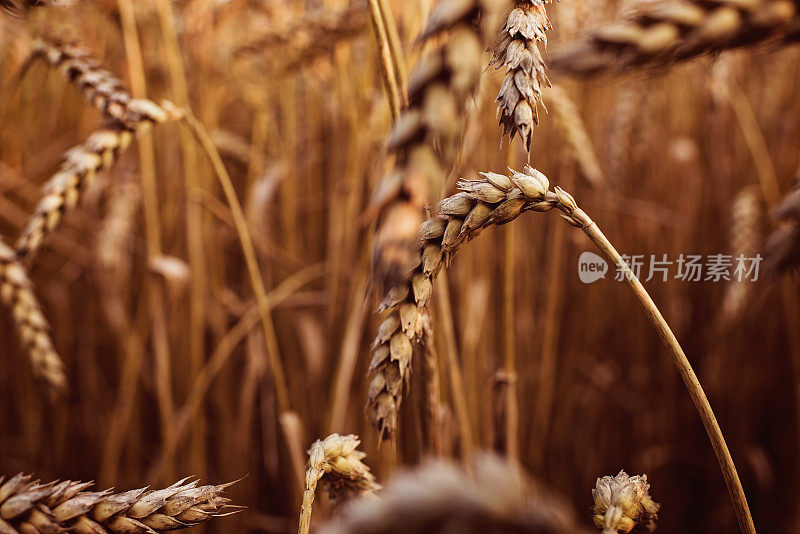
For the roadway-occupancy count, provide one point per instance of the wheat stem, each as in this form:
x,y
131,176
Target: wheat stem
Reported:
x,y
388,70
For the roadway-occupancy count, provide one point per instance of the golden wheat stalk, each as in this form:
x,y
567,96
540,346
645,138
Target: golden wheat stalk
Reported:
x,y
498,199
339,465
437,90
660,33
517,49
16,293
443,497
29,507
622,502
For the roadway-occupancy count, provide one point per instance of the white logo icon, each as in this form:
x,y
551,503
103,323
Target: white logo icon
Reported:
x,y
591,267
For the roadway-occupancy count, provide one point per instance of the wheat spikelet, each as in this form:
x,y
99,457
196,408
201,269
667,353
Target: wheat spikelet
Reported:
x,y
16,292
516,48
497,199
99,87
622,502
339,465
442,497
437,90
29,507
782,249
745,237
63,191
663,32
128,116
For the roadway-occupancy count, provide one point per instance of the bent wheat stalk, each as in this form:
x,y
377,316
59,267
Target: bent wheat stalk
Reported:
x,y
498,199
28,506
338,464
16,292
661,33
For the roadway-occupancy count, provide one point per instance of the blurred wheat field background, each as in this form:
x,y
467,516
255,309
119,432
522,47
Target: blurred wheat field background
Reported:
x,y
150,300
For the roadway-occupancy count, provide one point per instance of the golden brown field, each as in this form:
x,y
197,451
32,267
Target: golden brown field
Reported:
x,y
241,195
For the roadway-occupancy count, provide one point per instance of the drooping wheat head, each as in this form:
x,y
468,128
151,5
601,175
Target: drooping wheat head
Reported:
x,y
660,33
29,507
336,462
442,497
126,115
423,142
495,200
517,49
16,293
622,502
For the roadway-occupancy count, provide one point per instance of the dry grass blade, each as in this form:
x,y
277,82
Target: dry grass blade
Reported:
x,y
660,33
437,90
28,506
336,462
442,497
516,48
623,502
16,293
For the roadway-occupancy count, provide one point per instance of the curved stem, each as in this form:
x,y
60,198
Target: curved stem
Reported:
x,y
684,369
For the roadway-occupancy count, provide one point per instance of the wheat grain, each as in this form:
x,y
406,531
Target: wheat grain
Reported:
x,y
443,497
516,48
437,89
661,33
28,507
339,465
16,293
622,502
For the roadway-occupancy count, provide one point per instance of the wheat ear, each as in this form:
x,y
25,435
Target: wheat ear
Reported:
x,y
29,507
127,116
517,49
16,292
782,249
660,33
437,90
336,462
499,199
17,7
622,502
745,238
444,497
